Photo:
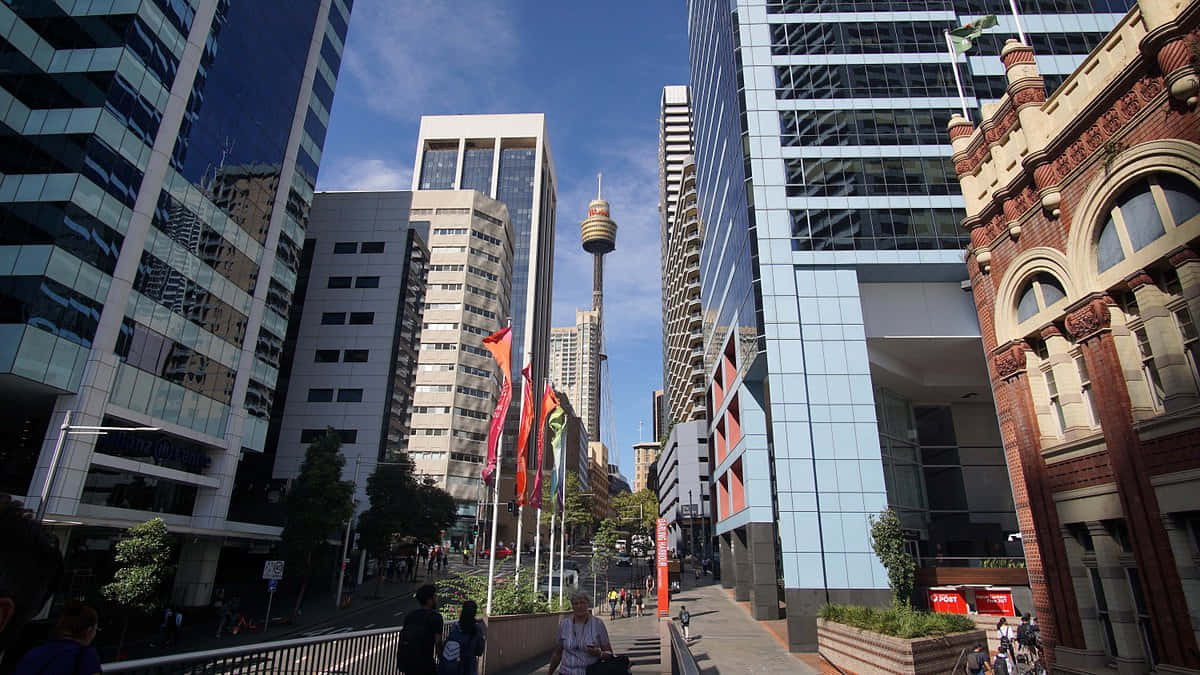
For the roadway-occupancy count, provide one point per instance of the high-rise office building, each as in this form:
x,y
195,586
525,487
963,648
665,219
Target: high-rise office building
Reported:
x,y
506,157
575,366
684,495
456,385
598,478
354,362
679,260
657,414
843,362
644,454
160,168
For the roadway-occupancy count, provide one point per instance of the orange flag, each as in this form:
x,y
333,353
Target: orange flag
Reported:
x,y
527,415
549,403
500,345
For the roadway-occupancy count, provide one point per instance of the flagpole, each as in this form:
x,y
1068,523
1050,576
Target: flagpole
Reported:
x,y
562,539
537,544
520,524
1017,20
962,98
495,517
550,560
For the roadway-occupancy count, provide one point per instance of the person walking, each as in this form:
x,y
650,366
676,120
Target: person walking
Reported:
x,y
1008,638
640,600
977,661
628,603
612,604
464,645
421,635
70,651
685,620
582,639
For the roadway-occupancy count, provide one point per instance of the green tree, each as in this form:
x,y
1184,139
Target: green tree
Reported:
x,y
318,503
435,512
391,489
636,511
577,508
604,549
887,539
144,561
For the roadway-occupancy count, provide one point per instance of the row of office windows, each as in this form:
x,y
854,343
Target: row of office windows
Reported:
x,y
348,356
908,37
357,282
877,229
322,395
355,318
877,126
853,176
970,7
343,247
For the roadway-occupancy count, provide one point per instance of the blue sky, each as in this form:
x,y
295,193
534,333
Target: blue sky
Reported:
x,y
597,70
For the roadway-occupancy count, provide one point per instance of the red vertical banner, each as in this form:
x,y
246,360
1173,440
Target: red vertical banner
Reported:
x,y
549,404
500,345
527,415
662,578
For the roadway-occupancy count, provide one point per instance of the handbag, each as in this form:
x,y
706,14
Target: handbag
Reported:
x,y
617,664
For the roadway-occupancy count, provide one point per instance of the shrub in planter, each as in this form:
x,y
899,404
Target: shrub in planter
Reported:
x,y
899,621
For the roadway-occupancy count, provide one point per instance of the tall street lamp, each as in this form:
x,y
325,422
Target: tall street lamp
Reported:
x,y
76,430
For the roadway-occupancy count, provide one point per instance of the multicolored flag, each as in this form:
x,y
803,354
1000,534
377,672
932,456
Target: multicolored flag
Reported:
x,y
964,37
527,414
549,405
557,421
500,345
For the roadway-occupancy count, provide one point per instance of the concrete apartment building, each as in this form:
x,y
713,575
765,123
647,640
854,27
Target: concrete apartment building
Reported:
x,y
575,366
644,455
141,288
842,357
684,493
679,246
354,360
1084,219
598,479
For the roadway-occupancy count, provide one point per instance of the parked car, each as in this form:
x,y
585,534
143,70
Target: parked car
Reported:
x,y
571,578
501,553
571,565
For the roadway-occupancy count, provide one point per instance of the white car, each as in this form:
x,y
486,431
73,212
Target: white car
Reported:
x,y
572,583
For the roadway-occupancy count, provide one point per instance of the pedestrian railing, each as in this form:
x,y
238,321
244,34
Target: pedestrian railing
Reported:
x,y
682,661
359,653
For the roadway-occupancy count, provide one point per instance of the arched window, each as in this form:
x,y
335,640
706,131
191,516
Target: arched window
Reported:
x,y
1040,292
1143,213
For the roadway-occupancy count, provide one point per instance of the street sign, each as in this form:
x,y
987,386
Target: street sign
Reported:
x,y
663,577
273,569
272,584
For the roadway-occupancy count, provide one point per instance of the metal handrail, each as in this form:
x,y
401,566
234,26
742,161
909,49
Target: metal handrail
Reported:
x,y
377,646
682,661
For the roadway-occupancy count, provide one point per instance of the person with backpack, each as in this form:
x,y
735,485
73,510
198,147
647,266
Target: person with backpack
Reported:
x,y
464,645
1027,637
1008,639
70,652
977,661
421,636
685,620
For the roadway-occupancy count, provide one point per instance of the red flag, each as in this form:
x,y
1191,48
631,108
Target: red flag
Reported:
x,y
527,414
549,403
500,345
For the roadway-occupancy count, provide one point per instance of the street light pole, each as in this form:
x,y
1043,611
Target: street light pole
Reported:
x,y
52,470
337,600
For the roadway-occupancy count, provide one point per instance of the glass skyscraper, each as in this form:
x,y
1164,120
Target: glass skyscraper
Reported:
x,y
844,364
158,168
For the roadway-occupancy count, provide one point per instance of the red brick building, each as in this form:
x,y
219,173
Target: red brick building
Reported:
x,y
1084,213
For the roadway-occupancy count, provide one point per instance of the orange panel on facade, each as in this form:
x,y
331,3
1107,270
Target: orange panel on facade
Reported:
x,y
737,492
719,442
733,425
722,499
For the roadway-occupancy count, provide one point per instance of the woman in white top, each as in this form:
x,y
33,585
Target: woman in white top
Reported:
x,y
582,639
1008,639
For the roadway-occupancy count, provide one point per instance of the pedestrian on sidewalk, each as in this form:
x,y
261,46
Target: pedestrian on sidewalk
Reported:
x,y
421,636
685,620
70,651
612,604
582,639
977,661
628,603
429,564
465,643
641,602
1007,637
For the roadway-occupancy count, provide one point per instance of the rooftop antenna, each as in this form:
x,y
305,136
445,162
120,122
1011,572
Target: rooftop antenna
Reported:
x,y
599,182
640,423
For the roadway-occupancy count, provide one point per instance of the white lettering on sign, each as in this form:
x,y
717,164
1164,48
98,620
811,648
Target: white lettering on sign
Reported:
x,y
273,569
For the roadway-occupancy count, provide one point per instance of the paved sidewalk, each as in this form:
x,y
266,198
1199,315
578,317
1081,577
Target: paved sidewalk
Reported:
x,y
726,639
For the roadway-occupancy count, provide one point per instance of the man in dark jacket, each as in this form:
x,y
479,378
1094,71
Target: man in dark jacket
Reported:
x,y
30,570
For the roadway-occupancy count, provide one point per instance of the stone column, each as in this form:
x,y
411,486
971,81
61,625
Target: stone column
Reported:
x,y
1166,343
741,562
1187,267
1077,419
1045,553
198,558
764,584
1121,614
1088,321
728,570
1189,566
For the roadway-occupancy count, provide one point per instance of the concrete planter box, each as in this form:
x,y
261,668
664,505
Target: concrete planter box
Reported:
x,y
513,639
864,652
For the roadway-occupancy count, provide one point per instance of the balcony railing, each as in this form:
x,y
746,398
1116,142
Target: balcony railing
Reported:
x,y
360,653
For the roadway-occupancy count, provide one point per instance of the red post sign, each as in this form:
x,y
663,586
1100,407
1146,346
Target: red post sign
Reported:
x,y
995,603
947,601
660,555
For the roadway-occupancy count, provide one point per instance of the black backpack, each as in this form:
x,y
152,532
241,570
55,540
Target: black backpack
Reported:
x,y
1025,635
415,637
684,617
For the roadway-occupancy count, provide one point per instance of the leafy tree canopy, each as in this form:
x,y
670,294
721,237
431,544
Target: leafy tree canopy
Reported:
x,y
318,502
144,561
887,539
636,511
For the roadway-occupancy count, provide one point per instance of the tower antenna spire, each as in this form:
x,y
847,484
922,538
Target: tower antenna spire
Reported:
x,y
599,182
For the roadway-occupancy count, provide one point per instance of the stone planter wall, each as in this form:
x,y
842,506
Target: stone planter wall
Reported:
x,y
516,638
864,652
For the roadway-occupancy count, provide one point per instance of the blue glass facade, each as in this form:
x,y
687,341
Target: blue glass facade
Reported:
x,y
182,109
477,169
830,273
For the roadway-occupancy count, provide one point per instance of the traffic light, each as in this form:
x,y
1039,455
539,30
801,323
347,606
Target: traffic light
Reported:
x,y
512,507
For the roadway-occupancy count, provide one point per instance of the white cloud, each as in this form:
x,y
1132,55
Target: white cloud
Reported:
x,y
632,291
426,56
365,174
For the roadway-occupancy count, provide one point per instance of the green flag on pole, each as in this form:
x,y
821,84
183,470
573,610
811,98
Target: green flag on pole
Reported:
x,y
964,37
557,421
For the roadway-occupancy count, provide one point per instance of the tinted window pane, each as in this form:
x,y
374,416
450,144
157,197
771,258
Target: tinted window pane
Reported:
x,y
344,247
